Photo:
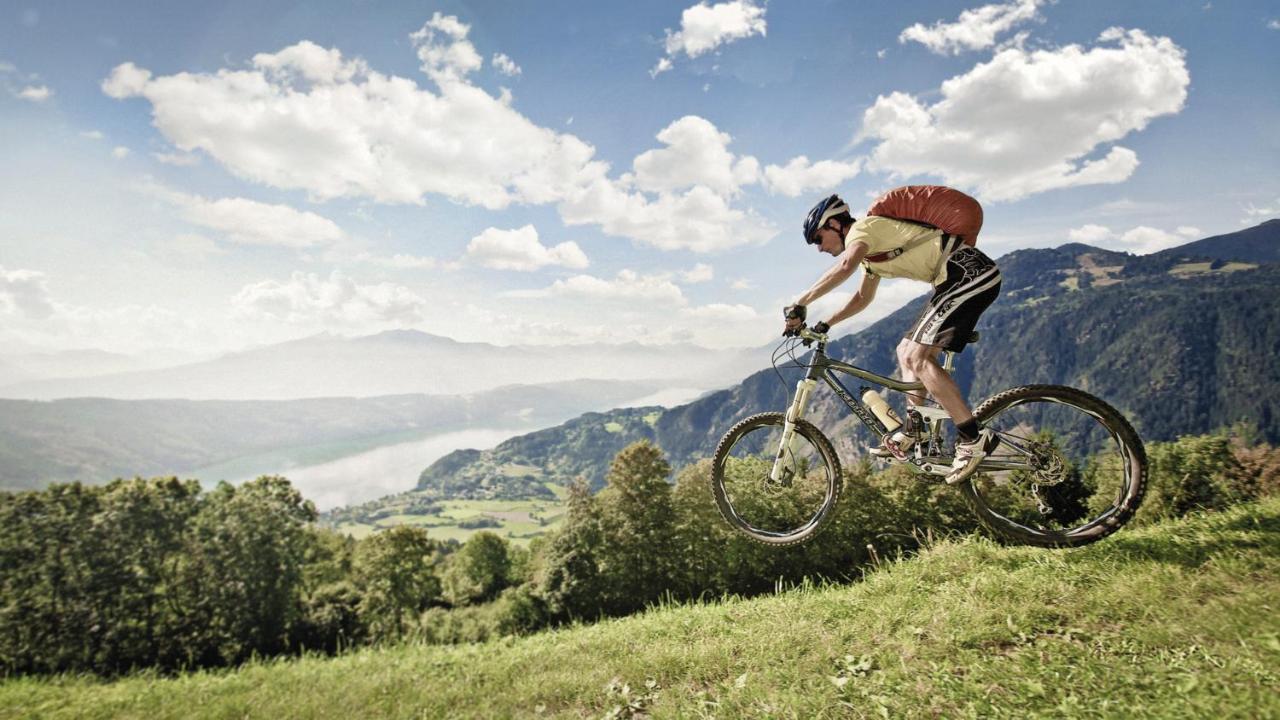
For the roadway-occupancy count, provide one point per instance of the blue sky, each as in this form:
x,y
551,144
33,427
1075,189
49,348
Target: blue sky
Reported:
x,y
217,175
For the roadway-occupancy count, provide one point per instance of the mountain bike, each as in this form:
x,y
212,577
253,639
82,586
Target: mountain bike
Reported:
x,y
1069,469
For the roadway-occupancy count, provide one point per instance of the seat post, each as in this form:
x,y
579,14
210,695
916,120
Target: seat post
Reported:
x,y
948,363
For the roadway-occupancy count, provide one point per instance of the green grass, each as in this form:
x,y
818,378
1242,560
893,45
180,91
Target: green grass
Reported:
x,y
515,516
1173,621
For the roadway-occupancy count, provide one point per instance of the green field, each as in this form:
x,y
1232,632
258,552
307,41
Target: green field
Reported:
x,y
519,521
1173,621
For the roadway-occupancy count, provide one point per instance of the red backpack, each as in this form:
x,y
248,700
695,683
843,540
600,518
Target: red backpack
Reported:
x,y
937,206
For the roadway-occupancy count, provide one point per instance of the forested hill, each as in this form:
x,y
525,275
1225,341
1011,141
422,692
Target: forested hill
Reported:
x,y
1178,341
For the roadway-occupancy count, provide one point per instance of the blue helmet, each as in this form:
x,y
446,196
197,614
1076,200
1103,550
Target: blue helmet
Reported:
x,y
820,213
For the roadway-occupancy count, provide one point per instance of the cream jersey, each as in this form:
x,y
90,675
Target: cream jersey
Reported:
x,y
924,261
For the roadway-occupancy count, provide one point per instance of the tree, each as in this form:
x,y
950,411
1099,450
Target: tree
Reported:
x,y
569,578
478,571
240,583
638,552
395,571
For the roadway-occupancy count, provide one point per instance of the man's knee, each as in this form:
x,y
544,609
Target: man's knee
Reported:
x,y
915,356
901,351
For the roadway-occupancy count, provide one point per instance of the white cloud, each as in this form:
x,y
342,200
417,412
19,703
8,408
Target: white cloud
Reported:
x,y
800,176
446,54
974,30
1143,240
1027,122
308,299
696,153
722,312
1140,240
402,261
249,222
35,93
179,159
25,294
1090,234
694,177
704,28
119,152
698,220
700,273
306,118
505,65
92,134
1274,25
520,249
742,284
1253,213
628,286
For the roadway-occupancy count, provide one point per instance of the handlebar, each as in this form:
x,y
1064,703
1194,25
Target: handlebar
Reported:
x,y
808,336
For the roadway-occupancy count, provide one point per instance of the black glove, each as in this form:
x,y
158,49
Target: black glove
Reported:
x,y
821,327
794,312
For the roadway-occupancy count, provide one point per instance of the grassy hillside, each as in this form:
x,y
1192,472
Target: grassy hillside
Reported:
x,y
1176,620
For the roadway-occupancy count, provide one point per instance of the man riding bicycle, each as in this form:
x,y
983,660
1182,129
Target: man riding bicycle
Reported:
x,y
965,283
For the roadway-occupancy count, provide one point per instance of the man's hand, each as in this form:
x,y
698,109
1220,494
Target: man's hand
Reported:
x,y
794,316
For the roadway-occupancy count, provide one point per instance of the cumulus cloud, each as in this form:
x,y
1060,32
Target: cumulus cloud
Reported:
x,y
1253,213
801,176
1140,240
505,65
704,28
722,312
179,159
699,273
402,261
975,29
25,294
35,93
1027,122
699,219
520,249
628,285
249,222
1274,25
92,134
119,152
307,118
446,54
696,153
338,300
1090,234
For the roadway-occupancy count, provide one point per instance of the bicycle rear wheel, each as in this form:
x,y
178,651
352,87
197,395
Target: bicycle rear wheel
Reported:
x,y
780,512
1069,470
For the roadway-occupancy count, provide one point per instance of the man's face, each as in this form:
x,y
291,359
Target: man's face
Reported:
x,y
830,241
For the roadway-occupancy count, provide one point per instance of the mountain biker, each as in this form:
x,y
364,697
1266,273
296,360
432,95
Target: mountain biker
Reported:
x,y
965,283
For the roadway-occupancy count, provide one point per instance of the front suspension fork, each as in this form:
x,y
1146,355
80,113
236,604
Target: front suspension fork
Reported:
x,y
786,451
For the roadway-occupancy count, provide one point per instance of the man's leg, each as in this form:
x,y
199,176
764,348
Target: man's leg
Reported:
x,y
921,361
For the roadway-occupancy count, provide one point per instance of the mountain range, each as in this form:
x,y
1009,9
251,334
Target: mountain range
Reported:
x,y
1181,341
93,440
392,363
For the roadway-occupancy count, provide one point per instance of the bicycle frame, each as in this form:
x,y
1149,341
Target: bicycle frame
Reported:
x,y
825,368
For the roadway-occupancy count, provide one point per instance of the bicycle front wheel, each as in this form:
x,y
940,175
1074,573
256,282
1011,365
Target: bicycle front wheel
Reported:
x,y
1069,470
783,510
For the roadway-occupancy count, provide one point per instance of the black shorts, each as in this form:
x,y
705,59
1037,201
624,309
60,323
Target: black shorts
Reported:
x,y
972,284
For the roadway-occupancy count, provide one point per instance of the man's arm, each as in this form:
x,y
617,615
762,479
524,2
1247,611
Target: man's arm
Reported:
x,y
844,267
860,300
